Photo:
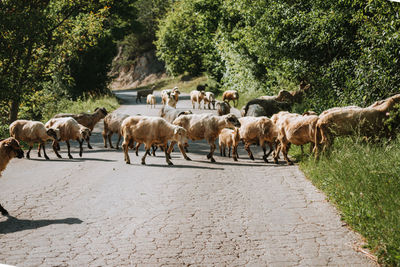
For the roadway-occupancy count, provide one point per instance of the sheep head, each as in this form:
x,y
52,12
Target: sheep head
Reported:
x,y
85,133
180,135
54,134
102,111
13,148
232,120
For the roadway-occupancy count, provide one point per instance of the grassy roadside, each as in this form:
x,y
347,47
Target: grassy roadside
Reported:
x,y
68,106
363,181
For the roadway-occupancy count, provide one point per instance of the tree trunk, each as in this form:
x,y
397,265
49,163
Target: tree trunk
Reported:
x,y
14,110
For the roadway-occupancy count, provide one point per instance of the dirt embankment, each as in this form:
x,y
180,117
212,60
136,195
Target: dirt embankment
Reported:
x,y
145,70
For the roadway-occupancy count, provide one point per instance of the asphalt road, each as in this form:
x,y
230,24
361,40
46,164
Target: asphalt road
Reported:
x,y
99,211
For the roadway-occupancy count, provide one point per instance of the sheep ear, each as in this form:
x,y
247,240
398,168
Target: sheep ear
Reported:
x,y
96,109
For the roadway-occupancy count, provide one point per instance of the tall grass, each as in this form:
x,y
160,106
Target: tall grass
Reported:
x,y
363,180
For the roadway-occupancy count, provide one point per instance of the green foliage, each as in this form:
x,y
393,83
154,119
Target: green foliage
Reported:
x,y
185,38
363,181
347,50
53,42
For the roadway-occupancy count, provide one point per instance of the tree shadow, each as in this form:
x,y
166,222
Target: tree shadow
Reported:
x,y
12,224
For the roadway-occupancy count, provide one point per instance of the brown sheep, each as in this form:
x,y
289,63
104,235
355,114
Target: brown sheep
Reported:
x,y
258,130
229,138
294,129
144,93
9,149
112,125
151,100
151,131
209,99
32,132
368,122
88,120
197,96
69,129
282,96
231,95
205,126
223,108
168,93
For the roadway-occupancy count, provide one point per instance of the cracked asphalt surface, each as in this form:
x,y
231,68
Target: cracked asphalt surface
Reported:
x,y
99,211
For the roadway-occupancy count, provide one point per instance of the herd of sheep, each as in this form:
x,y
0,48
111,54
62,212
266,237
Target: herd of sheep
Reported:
x,y
265,121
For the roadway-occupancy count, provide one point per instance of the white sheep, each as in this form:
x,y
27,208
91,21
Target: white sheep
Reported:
x,y
88,120
112,125
151,131
32,132
69,129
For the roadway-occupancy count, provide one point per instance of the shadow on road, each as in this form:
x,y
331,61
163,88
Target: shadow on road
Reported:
x,y
13,224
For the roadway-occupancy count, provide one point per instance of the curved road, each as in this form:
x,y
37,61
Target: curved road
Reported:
x,y
99,211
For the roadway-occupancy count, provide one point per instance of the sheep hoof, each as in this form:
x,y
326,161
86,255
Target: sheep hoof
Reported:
x,y
170,163
90,147
47,158
265,159
290,163
70,156
209,156
187,158
143,163
128,162
275,161
252,157
212,160
58,156
235,159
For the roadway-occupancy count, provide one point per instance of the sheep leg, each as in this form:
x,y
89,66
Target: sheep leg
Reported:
x,y
171,147
38,152
125,147
119,139
88,144
186,148
181,148
285,150
154,149
56,147
44,151
147,148
104,138
276,153
229,151
167,156
235,153
247,148
3,211
29,151
69,149
220,150
212,148
302,151
224,149
137,149
109,140
80,147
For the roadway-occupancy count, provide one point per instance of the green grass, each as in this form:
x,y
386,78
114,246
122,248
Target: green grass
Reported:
x,y
363,181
